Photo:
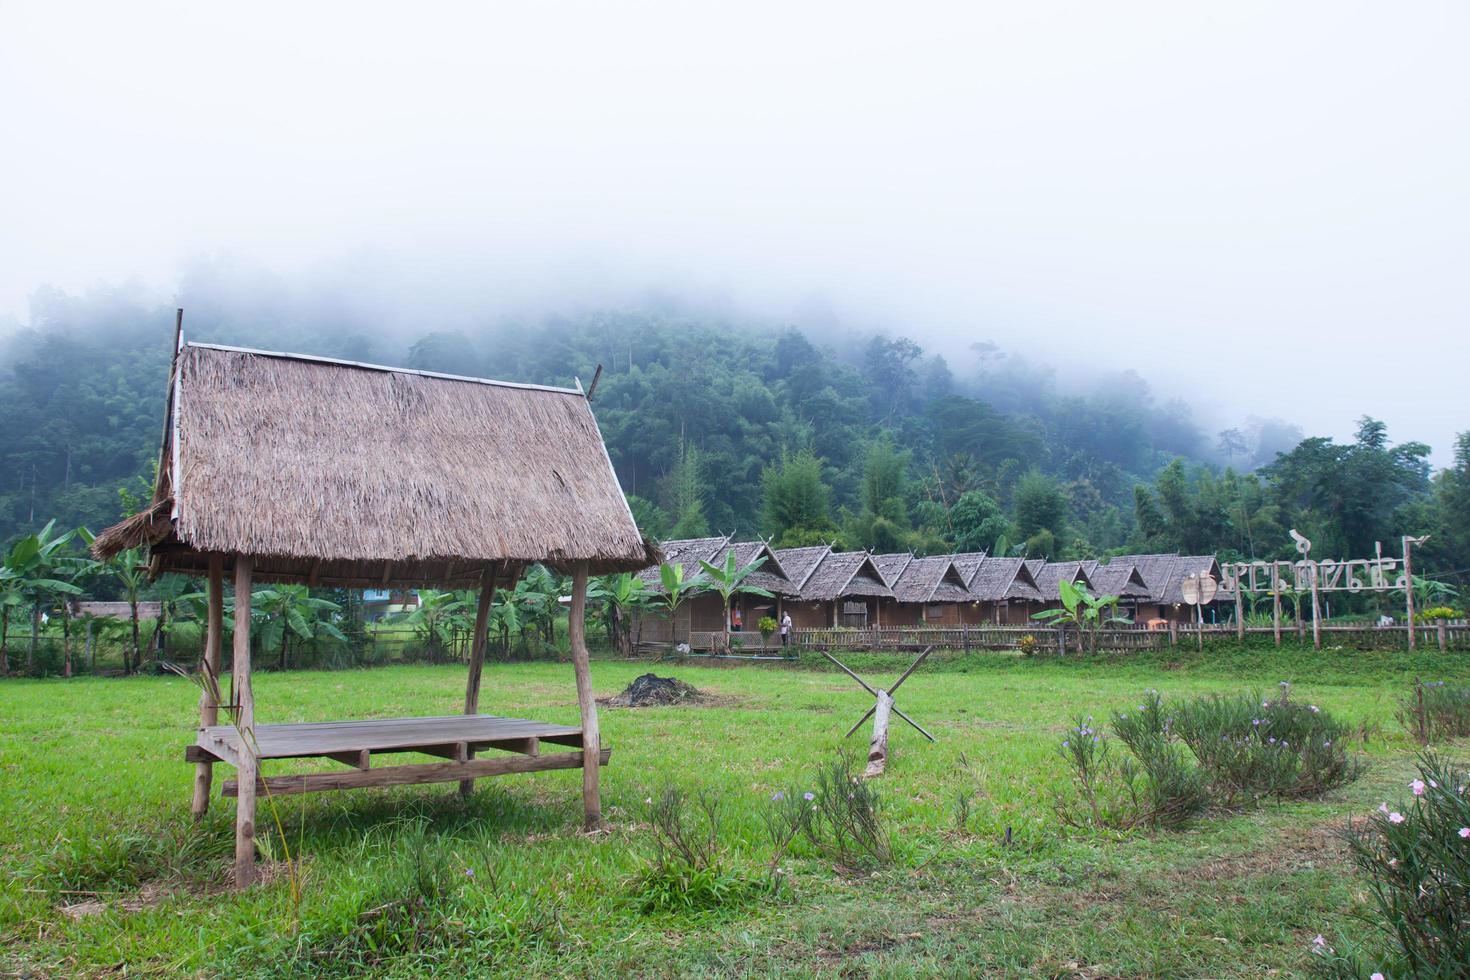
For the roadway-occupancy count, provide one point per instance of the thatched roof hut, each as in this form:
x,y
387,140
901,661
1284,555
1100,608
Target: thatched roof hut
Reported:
x,y
933,579
998,579
342,474
1049,575
1156,570
800,563
845,573
1119,578
689,552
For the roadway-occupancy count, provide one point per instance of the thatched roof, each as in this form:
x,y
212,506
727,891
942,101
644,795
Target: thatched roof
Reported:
x,y
689,552
799,563
1119,578
1050,574
337,473
1187,565
932,579
845,573
1155,570
892,566
771,576
997,579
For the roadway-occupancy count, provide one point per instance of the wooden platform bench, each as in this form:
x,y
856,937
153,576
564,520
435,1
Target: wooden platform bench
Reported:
x,y
454,738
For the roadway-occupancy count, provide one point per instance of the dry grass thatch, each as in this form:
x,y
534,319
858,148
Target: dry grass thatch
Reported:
x,y
329,462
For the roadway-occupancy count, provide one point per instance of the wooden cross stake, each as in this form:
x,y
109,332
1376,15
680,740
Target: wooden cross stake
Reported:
x,y
890,692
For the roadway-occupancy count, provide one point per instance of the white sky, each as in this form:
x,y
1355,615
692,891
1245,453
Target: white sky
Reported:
x,y
1264,206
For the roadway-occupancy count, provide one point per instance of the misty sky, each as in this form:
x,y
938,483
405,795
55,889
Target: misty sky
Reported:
x,y
1262,206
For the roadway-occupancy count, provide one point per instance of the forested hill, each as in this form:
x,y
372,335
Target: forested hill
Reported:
x,y
752,428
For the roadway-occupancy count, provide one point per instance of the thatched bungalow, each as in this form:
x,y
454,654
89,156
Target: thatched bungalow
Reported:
x,y
925,590
1050,574
844,588
1164,575
268,474
704,613
1004,589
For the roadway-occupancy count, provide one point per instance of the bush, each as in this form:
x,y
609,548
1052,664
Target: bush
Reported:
x,y
687,871
1435,613
1417,860
1436,711
1243,749
845,823
1251,748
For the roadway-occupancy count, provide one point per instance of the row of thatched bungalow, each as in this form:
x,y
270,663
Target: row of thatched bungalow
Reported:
x,y
821,587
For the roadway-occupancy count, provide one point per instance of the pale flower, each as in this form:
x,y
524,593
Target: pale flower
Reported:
x,y
1418,787
1465,832
1395,817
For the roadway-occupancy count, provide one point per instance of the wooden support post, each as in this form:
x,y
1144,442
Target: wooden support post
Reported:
x,y
1276,615
591,740
1239,612
1443,632
1173,633
240,693
878,746
209,695
477,656
1409,592
1316,613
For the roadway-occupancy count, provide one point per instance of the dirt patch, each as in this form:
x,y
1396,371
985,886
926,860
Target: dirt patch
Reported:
x,y
650,690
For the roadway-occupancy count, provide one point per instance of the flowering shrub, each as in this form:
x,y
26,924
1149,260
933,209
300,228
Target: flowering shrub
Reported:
x,y
1417,860
1027,644
687,871
1435,613
1252,748
1436,711
1219,749
845,824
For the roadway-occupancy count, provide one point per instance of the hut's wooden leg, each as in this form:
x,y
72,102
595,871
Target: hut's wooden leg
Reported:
x,y
249,767
477,659
208,697
591,740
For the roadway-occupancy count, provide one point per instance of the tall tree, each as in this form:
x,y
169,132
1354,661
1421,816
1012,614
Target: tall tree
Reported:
x,y
795,502
1041,514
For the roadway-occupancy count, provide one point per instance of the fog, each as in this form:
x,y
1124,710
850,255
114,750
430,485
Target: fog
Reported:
x,y
1260,207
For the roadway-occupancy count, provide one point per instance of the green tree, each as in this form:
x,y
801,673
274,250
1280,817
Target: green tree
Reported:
x,y
35,576
685,490
977,521
729,581
292,610
1041,514
433,619
622,596
794,499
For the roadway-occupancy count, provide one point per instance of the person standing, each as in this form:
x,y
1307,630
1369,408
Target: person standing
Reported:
x,y
785,628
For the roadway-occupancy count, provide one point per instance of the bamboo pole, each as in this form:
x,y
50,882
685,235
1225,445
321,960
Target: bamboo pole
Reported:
x,y
209,693
249,767
1276,613
1409,591
586,705
477,658
1239,611
1316,612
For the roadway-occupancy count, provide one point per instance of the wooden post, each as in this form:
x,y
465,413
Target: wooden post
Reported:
x,y
209,695
1316,613
1239,612
1409,592
240,693
478,642
1173,633
878,746
1276,614
591,740
1443,632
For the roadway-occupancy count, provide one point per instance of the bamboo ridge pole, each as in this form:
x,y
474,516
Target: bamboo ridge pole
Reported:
x,y
245,721
591,739
878,746
209,695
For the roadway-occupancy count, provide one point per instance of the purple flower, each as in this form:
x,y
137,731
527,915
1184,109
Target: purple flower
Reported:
x,y
778,796
1319,945
1375,976
1417,786
808,796
1395,817
1465,832
1064,744
1255,721
469,872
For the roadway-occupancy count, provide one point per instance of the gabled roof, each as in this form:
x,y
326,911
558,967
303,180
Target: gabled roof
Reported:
x,y
799,563
845,573
1164,573
933,579
689,552
1119,578
1187,565
892,565
997,579
1050,574
1155,570
968,563
266,454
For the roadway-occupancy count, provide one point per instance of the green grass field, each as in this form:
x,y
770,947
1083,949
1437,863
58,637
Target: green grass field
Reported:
x,y
104,869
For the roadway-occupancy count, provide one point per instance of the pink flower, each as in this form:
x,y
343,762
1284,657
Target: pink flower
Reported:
x,y
1375,976
1395,817
1418,787
1383,808
1318,943
1465,832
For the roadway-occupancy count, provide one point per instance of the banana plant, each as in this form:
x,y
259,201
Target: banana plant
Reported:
x,y
433,618
622,595
1085,612
729,581
677,588
292,609
31,571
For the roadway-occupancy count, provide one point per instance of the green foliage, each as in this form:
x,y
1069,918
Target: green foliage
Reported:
x,y
846,823
795,502
977,522
688,870
1435,711
1040,514
685,490
1416,859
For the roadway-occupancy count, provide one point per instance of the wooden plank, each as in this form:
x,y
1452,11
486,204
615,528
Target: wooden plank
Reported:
x,y
385,735
430,772
361,759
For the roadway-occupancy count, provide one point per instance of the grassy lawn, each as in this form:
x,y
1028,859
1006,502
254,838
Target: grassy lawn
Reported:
x,y
104,869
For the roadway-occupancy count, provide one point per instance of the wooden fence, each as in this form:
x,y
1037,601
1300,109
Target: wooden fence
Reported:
x,y
1452,635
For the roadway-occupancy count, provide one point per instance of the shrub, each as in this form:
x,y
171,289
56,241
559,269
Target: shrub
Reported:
x,y
845,823
1027,644
1435,613
687,871
767,626
1251,748
1417,860
1436,711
